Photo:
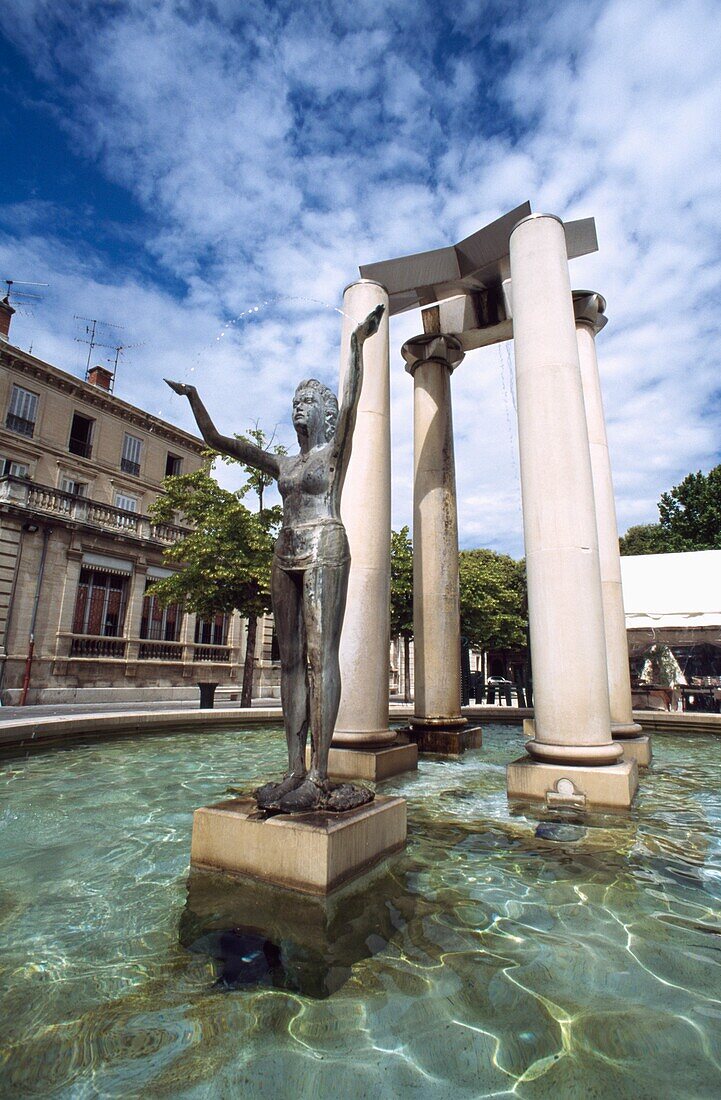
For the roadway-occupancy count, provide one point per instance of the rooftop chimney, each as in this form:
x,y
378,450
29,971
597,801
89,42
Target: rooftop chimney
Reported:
x,y
100,377
6,312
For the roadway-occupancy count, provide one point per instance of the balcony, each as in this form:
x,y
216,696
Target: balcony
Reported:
x,y
213,654
94,647
45,499
169,652
20,425
129,467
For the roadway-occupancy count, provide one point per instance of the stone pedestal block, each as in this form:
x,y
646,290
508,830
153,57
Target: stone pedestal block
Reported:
x,y
371,765
582,787
445,740
638,749
313,853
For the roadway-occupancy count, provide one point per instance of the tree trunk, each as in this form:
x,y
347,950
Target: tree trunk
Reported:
x,y
246,694
406,668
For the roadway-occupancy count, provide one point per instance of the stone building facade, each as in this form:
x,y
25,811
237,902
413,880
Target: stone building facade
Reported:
x,y
79,470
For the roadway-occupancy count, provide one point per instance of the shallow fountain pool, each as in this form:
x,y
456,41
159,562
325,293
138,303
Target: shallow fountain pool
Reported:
x,y
505,953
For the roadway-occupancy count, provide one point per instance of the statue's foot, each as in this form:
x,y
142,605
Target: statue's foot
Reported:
x,y
346,796
310,795
269,795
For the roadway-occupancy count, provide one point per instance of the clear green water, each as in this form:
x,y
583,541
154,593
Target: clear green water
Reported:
x,y
490,961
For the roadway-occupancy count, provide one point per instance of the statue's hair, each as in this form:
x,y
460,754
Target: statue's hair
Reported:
x,y
330,403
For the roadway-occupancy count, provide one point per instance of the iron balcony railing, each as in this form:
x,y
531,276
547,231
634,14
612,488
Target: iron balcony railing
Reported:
x,y
161,651
99,647
90,645
129,467
80,447
20,425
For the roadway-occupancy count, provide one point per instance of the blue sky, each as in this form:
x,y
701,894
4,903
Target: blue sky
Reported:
x,y
173,167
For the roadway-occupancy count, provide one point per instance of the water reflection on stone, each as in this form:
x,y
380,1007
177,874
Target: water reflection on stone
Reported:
x,y
261,935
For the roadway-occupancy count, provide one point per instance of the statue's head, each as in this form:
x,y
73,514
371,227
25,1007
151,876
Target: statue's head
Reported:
x,y
316,393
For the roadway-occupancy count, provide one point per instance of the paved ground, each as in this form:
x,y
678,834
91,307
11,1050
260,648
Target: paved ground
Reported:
x,y
61,709
8,714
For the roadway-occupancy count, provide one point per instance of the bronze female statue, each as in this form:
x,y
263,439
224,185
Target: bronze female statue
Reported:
x,y
309,577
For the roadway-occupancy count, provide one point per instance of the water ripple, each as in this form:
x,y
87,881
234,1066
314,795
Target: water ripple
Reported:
x,y
506,953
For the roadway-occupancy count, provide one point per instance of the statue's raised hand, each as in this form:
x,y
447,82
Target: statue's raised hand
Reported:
x,y
180,388
370,325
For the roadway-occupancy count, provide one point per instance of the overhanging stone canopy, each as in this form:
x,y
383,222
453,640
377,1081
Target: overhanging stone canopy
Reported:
x,y
473,272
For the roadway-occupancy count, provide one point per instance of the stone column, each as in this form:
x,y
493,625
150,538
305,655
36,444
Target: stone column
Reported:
x,y
572,713
430,359
366,512
589,311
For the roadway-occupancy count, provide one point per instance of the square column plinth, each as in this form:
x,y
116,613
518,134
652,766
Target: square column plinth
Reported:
x,y
444,741
613,785
370,765
313,853
638,749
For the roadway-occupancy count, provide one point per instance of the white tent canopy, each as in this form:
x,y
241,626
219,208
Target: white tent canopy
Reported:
x,y
662,591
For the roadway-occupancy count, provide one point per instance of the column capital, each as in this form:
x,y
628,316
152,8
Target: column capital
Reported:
x,y
431,347
589,308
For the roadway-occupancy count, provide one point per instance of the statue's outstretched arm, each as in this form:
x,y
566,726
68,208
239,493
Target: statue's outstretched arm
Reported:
x,y
354,381
236,448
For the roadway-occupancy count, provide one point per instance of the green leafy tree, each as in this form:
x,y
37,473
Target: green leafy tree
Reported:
x,y
402,596
645,538
257,482
226,556
493,599
691,511
689,519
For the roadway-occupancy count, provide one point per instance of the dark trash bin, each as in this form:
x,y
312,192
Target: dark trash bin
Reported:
x,y
207,695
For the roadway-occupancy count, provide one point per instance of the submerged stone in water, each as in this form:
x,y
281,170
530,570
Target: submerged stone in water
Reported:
x,y
559,830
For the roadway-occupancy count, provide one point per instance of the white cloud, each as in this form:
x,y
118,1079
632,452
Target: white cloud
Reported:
x,y
274,150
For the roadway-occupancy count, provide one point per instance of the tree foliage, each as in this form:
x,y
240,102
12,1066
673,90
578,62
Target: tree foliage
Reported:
x,y
689,519
493,599
226,555
401,583
258,482
645,538
691,511
402,597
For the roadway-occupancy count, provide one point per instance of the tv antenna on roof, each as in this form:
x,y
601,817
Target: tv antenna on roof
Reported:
x,y
118,349
90,331
21,296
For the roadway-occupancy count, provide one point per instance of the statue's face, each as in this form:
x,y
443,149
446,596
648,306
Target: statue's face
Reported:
x,y
308,412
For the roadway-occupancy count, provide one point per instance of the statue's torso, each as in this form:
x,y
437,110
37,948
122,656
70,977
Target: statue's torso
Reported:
x,y
312,531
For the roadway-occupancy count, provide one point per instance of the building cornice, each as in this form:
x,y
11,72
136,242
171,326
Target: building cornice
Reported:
x,y
13,358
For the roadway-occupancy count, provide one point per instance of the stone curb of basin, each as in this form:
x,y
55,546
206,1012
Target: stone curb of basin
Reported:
x,y
26,733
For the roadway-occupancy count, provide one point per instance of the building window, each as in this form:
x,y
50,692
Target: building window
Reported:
x,y
158,623
100,603
126,502
173,465
81,434
212,631
132,450
76,488
22,412
10,468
